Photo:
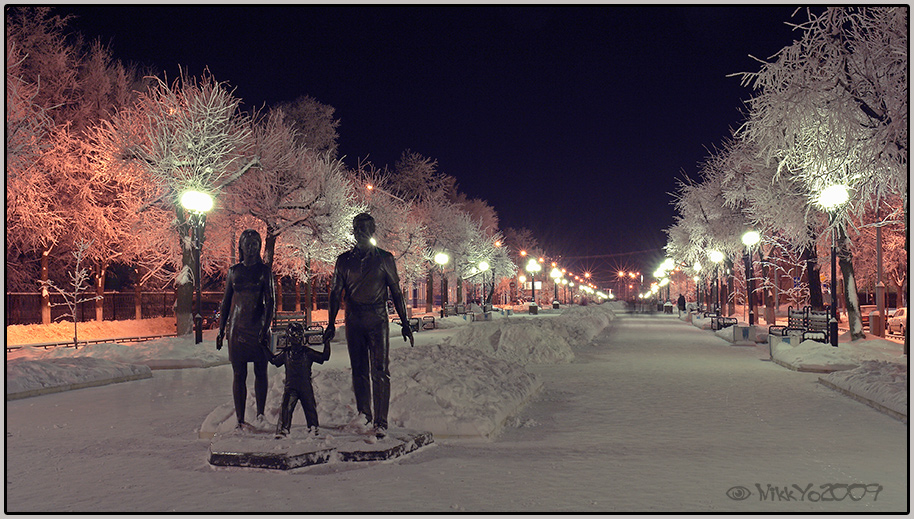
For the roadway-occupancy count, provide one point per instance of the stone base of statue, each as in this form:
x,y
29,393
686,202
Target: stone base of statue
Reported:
x,y
303,448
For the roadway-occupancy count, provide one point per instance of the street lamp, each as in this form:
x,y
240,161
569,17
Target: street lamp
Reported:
x,y
533,267
830,199
716,257
441,259
555,275
750,239
198,204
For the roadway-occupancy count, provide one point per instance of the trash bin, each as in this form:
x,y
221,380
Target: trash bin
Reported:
x,y
876,325
668,308
533,310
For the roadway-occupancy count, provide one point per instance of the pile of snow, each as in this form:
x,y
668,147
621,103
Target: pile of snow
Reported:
x,y
26,377
536,340
885,383
812,355
450,392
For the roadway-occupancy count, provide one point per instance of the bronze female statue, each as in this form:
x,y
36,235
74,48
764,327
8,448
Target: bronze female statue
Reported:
x,y
245,316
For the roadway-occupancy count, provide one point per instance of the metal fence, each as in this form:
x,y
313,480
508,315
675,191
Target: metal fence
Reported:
x,y
25,307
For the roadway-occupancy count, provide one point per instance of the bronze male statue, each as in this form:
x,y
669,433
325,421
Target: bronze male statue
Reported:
x,y
366,273
244,317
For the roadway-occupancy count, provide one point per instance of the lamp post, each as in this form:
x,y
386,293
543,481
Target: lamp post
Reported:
x,y
441,259
198,204
716,257
555,275
750,239
533,267
831,199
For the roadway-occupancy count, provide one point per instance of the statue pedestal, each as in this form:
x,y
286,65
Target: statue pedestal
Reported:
x,y
299,449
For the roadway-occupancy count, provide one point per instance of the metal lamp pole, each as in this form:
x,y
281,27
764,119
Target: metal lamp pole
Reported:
x,y
750,238
197,203
830,199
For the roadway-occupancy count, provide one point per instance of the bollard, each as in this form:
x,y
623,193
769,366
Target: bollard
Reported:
x,y
876,326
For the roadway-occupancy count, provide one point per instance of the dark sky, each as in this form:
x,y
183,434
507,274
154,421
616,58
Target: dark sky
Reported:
x,y
572,121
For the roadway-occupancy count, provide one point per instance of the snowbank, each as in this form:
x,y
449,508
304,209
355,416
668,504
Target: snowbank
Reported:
x,y
535,340
465,385
878,383
822,357
26,377
450,392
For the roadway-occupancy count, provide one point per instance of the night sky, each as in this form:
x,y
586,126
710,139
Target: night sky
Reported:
x,y
572,121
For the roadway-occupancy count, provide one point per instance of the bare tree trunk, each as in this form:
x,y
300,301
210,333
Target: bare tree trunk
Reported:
x,y
308,306
854,321
812,278
731,301
429,292
278,284
138,295
100,291
45,295
297,295
770,314
459,298
184,297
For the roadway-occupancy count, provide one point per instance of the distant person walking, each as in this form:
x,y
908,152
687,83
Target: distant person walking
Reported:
x,y
681,303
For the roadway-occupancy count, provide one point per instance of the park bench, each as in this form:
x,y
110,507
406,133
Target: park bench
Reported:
x,y
313,333
719,322
428,322
413,323
805,322
816,326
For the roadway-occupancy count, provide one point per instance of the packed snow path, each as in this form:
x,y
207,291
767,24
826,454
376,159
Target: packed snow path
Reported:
x,y
654,416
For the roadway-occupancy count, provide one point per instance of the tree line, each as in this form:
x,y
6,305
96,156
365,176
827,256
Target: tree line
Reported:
x,y
831,109
99,151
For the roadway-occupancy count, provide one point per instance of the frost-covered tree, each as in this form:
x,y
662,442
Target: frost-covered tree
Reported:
x,y
79,283
832,109
295,188
181,136
417,178
63,88
313,122
401,229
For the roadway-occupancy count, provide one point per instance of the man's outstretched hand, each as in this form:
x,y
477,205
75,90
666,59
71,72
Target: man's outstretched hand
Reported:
x,y
408,334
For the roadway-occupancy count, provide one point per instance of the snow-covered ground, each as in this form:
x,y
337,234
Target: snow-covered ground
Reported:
x,y
872,369
504,382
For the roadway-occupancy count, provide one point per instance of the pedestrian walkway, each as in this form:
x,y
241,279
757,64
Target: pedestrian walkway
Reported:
x,y
667,417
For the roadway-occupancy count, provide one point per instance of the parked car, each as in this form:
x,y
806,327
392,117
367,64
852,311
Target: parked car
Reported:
x,y
898,322
865,314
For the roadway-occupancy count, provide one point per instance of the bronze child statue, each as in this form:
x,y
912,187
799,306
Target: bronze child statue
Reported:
x,y
298,357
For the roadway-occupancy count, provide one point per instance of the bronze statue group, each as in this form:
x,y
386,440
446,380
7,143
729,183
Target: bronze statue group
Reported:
x,y
362,278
